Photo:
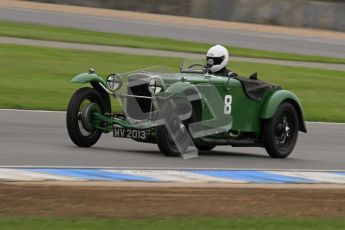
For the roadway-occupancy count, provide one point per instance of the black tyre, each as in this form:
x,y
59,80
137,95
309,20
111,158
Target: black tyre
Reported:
x,y
281,131
165,142
79,112
203,146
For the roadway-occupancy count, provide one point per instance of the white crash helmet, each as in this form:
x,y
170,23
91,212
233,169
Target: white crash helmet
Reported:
x,y
220,56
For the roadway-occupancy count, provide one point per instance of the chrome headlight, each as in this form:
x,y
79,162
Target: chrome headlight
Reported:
x,y
114,82
155,86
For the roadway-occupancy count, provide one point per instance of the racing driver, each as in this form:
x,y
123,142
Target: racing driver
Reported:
x,y
217,58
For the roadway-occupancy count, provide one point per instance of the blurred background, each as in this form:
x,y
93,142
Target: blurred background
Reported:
x,y
321,14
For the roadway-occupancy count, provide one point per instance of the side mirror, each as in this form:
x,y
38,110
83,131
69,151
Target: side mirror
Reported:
x,y
209,63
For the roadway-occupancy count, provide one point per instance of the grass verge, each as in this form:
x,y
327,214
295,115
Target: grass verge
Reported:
x,y
33,31
39,78
25,223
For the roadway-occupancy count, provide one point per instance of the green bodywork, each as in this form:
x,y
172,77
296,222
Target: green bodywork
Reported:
x,y
273,101
246,113
84,78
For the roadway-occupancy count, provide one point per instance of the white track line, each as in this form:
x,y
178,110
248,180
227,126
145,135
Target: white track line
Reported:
x,y
164,168
33,111
22,175
175,176
10,174
319,177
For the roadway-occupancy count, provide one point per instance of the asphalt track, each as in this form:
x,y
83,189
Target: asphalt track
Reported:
x,y
33,138
234,37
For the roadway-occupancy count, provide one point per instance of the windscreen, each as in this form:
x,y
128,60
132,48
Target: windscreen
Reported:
x,y
134,96
192,65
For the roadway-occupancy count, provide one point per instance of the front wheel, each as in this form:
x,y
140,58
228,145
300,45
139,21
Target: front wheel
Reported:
x,y
281,131
169,146
81,126
203,146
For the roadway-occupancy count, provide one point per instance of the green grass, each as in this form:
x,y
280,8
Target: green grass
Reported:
x,y
32,31
243,223
39,78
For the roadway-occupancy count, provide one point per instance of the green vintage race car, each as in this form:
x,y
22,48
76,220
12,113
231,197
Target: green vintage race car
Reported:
x,y
186,111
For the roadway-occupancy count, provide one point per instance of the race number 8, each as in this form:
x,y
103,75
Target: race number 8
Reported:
x,y
227,104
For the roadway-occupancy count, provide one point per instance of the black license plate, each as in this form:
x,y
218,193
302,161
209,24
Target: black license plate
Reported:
x,y
129,133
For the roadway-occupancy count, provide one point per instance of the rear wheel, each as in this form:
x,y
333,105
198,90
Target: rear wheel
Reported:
x,y
81,127
281,131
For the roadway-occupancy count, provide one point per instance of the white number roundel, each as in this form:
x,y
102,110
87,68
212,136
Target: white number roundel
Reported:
x,y
227,104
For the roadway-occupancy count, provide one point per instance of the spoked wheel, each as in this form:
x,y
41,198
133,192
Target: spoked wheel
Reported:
x,y
281,131
166,143
182,138
81,126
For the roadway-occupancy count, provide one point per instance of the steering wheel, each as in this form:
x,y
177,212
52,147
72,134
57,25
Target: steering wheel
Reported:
x,y
194,65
